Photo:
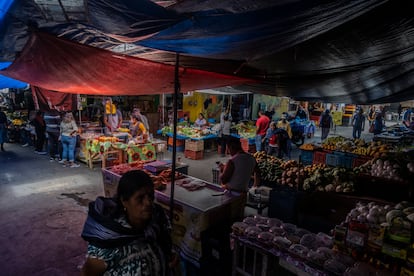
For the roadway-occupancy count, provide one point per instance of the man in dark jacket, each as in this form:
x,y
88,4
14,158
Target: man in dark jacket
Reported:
x,y
40,128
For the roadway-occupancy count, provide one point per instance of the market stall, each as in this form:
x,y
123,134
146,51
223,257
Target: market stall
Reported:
x,y
190,140
396,134
372,237
96,147
198,205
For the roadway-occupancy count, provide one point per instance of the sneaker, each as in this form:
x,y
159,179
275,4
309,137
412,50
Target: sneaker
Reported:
x,y
41,152
25,145
74,165
51,159
61,161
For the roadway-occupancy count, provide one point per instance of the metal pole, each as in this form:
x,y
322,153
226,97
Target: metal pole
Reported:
x,y
174,152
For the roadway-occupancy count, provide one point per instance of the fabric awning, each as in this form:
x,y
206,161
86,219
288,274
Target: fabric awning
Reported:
x,y
61,65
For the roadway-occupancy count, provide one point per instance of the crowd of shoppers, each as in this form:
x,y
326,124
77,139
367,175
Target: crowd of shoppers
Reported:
x,y
51,133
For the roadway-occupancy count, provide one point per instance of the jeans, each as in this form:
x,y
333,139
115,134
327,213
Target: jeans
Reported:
x,y
356,133
258,142
25,137
68,143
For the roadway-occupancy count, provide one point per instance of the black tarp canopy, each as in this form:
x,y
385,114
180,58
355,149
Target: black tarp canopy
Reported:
x,y
354,51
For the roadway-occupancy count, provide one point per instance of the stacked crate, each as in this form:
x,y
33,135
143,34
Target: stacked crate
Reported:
x,y
194,149
319,157
247,145
179,144
306,157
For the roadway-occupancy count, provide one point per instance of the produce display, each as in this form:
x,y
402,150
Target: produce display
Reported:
x,y
191,132
393,166
328,179
315,177
379,233
357,146
18,122
269,166
309,146
312,252
160,180
292,175
245,130
375,238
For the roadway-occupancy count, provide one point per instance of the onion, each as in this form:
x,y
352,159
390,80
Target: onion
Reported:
x,y
372,218
362,218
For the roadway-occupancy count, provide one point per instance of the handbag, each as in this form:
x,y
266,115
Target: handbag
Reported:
x,y
371,128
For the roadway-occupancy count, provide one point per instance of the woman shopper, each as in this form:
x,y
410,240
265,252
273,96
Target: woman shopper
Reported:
x,y
225,134
68,132
128,234
271,140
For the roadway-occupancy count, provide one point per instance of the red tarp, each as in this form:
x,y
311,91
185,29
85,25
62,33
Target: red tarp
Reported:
x,y
61,65
46,100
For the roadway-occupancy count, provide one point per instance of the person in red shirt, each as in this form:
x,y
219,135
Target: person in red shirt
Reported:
x,y
262,124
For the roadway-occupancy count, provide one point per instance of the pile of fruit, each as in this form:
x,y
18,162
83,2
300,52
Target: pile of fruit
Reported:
x,y
123,129
293,176
246,130
269,166
328,179
332,143
357,146
309,146
192,132
316,177
106,139
17,122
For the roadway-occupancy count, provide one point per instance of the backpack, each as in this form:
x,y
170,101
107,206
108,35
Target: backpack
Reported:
x,y
326,121
282,135
273,139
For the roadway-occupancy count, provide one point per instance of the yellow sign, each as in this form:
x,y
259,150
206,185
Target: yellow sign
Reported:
x,y
337,118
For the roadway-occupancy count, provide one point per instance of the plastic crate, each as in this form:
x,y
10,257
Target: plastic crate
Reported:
x,y
340,153
195,155
306,157
244,144
251,149
345,161
194,145
319,157
161,147
179,142
216,174
178,148
332,160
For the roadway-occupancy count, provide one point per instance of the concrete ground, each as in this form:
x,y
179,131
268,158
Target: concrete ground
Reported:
x,y
43,208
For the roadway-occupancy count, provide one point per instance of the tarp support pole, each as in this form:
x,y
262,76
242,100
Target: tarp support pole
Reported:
x,y
174,150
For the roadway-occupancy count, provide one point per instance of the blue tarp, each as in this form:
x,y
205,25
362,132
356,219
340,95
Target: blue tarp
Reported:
x,y
359,51
6,82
